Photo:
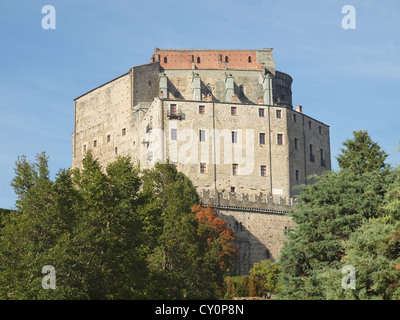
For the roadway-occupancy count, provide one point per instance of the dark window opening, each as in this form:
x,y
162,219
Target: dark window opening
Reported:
x,y
280,139
262,138
235,169
234,137
202,109
241,91
323,162
202,135
263,171
312,156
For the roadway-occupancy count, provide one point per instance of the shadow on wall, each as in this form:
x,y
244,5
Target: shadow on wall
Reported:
x,y
241,93
251,249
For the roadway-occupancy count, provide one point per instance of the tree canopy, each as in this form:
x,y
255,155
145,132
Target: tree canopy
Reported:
x,y
332,217
115,234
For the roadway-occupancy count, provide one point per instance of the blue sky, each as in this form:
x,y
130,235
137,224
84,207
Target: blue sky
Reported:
x,y
348,79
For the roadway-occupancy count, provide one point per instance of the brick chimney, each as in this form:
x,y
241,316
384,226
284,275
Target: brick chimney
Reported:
x,y
299,109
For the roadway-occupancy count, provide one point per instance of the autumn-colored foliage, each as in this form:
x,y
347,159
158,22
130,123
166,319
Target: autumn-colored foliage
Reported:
x,y
218,235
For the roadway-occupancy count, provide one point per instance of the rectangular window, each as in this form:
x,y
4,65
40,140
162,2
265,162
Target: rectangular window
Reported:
x,y
322,157
294,118
202,168
278,113
108,138
84,148
295,143
174,134
312,157
202,109
116,150
233,111
262,138
124,131
261,112
94,143
263,170
309,125
297,175
202,135
280,139
234,137
172,109
320,130
232,189
235,169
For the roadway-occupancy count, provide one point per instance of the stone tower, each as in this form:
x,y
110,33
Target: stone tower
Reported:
x,y
222,117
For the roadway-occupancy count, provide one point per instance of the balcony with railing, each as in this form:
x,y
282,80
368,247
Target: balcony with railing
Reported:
x,y
174,115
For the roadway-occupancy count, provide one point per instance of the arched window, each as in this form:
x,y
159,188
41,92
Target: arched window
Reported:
x,y
165,60
249,59
198,59
226,59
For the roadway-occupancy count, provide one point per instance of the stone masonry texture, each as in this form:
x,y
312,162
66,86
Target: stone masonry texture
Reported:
x,y
225,119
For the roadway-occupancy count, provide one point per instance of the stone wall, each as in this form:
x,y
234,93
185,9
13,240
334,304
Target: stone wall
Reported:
x,y
145,82
103,122
259,222
129,116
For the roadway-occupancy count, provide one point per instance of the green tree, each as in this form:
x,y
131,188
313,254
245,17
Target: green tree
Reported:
x,y
177,261
361,154
107,255
329,211
119,234
35,235
373,250
267,273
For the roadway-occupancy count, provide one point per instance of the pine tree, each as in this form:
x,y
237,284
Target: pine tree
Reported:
x,y
328,213
362,154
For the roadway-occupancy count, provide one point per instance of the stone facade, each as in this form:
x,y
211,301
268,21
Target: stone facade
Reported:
x,y
225,119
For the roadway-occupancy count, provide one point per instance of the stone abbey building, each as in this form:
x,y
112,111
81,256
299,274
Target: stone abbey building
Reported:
x,y
222,117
